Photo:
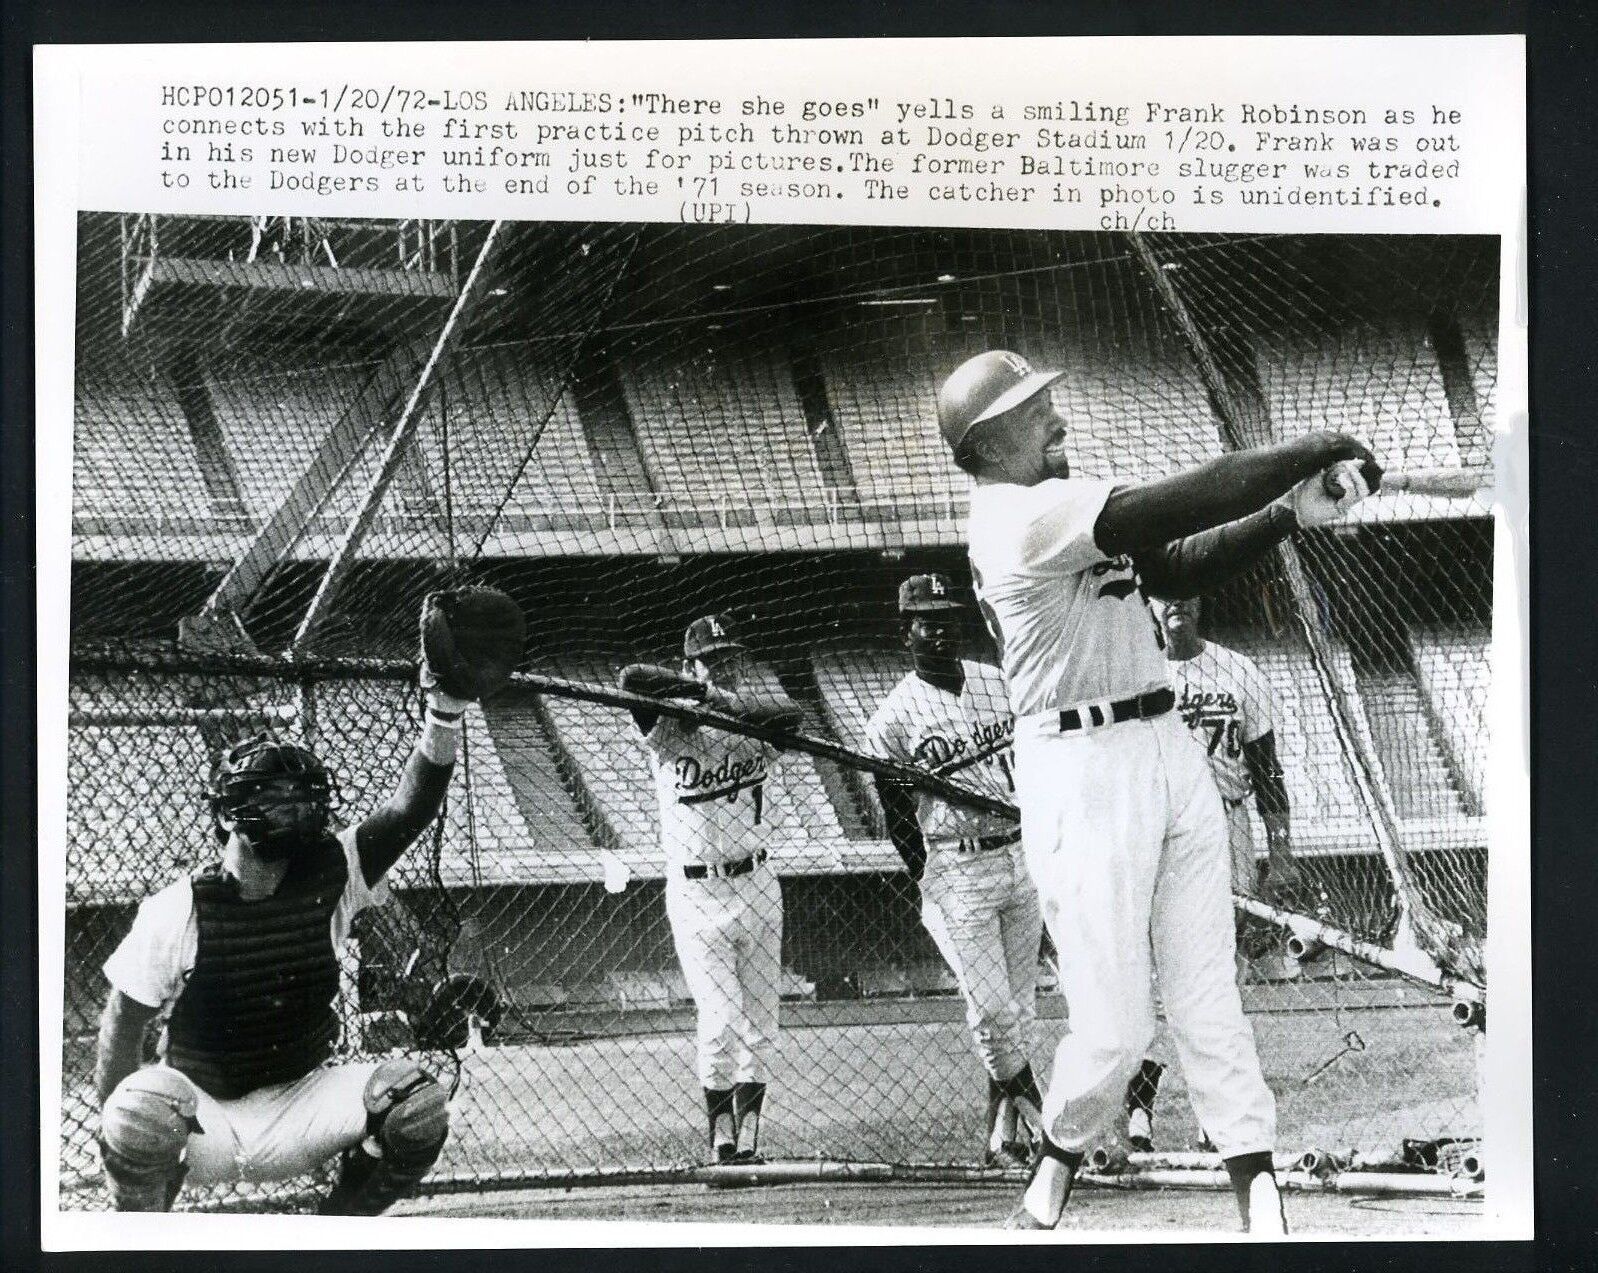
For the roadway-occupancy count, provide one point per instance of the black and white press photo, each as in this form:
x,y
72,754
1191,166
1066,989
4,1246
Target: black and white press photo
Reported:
x,y
756,666
721,874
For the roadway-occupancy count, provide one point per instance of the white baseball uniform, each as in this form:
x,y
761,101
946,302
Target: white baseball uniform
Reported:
x,y
977,901
1226,701
727,926
277,1131
1120,816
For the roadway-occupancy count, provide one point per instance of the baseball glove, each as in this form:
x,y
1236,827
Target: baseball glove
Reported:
x,y
471,641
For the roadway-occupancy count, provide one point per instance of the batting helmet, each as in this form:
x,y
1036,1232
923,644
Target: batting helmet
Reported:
x,y
245,769
713,632
983,387
926,594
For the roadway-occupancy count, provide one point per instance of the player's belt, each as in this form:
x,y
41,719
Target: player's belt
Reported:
x,y
724,870
986,843
1138,707
1233,802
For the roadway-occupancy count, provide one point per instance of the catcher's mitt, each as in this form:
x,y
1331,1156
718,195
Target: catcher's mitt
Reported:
x,y
471,641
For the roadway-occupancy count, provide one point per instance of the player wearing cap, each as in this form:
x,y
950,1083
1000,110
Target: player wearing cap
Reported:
x,y
1228,705
950,715
723,899
1120,815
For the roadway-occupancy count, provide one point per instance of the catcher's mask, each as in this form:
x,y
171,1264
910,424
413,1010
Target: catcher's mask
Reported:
x,y
274,793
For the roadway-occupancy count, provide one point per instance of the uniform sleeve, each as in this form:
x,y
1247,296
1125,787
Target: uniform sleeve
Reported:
x,y
1055,535
1259,701
155,958
665,731
880,735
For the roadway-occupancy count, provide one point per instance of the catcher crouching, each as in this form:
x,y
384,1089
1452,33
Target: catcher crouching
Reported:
x,y
241,958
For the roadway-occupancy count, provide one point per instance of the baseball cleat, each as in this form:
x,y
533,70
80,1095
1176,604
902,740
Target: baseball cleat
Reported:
x,y
1012,1155
1023,1219
725,1153
748,1158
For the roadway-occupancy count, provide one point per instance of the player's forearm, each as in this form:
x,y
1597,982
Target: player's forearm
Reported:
x,y
117,1053
386,833
1270,791
904,832
1194,565
1222,490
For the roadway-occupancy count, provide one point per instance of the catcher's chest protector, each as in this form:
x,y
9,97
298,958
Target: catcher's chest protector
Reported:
x,y
258,1007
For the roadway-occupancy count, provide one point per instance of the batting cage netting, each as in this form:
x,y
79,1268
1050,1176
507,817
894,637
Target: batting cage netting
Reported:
x,y
288,431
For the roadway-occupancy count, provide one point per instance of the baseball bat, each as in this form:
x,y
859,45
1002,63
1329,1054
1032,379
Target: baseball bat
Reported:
x,y
1450,483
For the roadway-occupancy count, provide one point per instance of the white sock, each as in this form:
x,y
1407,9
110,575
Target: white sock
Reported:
x,y
1138,1123
1265,1217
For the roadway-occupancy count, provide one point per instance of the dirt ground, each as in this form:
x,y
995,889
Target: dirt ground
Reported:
x,y
1202,1213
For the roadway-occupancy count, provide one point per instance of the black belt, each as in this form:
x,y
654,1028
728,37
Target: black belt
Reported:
x,y
724,870
1139,707
983,844
1232,802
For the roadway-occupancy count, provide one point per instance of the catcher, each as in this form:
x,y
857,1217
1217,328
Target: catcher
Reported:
x,y
977,901
241,959
723,899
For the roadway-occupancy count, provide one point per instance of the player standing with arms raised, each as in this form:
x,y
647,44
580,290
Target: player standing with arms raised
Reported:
x,y
1228,705
243,955
1120,816
723,899
977,901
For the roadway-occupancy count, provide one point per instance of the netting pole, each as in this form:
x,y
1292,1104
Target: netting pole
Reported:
x,y
1413,915
400,438
215,624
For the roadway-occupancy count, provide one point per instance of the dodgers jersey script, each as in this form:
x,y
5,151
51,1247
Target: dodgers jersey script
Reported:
x,y
1072,625
965,736
1225,700
711,789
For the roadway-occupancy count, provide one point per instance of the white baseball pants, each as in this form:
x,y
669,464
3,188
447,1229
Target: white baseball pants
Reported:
x,y
1126,841
982,912
280,1131
728,934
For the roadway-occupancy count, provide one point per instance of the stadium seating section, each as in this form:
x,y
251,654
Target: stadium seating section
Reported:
x,y
755,465
1452,668
1398,406
134,461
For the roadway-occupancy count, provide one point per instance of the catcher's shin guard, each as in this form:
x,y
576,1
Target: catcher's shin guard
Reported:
x,y
407,1122
144,1131
747,1101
